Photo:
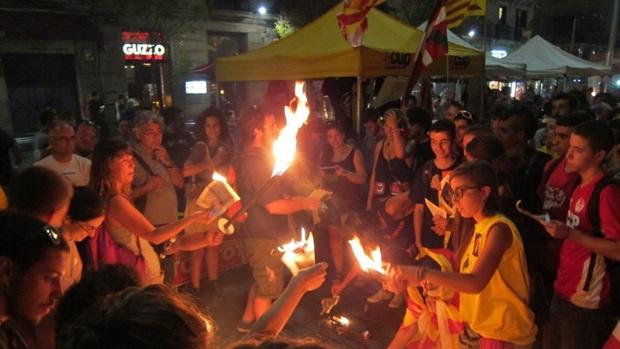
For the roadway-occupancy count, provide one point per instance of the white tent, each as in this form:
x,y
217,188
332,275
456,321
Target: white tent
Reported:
x,y
543,59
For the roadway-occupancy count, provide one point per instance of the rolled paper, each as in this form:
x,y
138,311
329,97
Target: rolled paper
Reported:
x,y
298,254
224,227
218,197
540,218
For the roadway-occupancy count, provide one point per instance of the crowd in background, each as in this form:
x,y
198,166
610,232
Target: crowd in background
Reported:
x,y
89,232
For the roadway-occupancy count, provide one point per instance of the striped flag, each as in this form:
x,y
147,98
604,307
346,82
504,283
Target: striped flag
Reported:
x,y
352,20
434,45
457,10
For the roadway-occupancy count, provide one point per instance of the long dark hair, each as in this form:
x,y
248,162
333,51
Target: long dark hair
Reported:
x,y
481,173
104,152
328,151
213,113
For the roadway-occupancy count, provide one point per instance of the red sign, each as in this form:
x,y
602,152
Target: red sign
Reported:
x,y
143,46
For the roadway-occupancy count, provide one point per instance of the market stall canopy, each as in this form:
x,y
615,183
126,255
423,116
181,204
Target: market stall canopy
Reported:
x,y
498,69
543,59
318,50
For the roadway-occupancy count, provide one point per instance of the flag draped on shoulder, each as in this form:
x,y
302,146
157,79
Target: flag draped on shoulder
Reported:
x,y
457,10
352,20
433,46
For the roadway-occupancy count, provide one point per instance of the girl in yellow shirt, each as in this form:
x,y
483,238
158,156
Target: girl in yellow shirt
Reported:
x,y
493,282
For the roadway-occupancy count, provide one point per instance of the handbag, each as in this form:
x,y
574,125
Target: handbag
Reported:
x,y
104,250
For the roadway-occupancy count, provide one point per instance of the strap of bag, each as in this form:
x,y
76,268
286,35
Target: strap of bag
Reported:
x,y
143,163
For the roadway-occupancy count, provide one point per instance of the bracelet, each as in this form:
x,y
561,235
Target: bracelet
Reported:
x,y
421,273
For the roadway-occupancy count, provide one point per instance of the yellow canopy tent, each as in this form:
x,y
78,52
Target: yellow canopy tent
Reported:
x,y
318,50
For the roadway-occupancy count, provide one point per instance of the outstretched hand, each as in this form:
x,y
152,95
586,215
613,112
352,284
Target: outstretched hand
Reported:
x,y
311,278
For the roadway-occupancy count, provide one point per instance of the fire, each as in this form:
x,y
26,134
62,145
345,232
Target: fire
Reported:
x,y
218,177
298,254
285,146
341,320
367,263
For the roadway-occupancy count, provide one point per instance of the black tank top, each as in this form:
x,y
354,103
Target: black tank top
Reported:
x,y
341,186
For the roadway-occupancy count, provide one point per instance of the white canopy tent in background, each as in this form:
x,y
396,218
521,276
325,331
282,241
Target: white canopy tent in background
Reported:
x,y
543,59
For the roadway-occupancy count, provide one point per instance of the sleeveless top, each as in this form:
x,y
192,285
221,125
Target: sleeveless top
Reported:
x,y
500,311
342,188
129,240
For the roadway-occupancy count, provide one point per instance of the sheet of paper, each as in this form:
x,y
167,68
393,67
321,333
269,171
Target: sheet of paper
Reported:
x,y
435,210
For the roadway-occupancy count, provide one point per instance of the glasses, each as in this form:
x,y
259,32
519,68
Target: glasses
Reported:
x,y
464,115
53,234
460,191
89,229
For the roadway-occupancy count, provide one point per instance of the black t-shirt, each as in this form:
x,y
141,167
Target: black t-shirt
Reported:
x,y
422,189
178,145
253,170
422,152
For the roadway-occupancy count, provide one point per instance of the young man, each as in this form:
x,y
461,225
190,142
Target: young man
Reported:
x,y
33,258
561,104
429,183
582,287
267,226
420,120
75,168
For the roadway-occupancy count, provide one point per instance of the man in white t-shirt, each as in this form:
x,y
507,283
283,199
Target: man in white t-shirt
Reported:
x,y
75,168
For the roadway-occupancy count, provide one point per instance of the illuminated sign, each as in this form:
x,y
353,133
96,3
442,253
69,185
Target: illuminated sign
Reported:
x,y
143,46
499,53
196,87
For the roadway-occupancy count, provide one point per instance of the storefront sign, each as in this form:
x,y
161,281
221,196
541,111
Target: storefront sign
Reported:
x,y
143,46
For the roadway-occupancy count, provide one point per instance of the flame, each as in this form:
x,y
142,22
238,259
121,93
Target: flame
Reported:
x,y
285,146
218,177
367,263
298,254
341,320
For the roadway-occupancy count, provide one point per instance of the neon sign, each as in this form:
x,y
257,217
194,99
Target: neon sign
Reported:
x,y
143,46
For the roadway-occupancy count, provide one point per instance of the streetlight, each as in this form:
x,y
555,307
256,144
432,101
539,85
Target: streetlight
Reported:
x,y
471,33
262,10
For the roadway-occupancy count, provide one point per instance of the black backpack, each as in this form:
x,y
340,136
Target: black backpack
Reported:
x,y
612,266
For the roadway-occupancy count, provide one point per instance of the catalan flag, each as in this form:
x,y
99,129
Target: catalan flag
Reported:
x,y
352,20
457,10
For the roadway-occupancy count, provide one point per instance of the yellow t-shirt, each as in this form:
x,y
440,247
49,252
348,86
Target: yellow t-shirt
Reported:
x,y
500,311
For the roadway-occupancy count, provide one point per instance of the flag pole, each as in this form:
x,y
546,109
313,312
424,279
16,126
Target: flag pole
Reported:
x,y
421,47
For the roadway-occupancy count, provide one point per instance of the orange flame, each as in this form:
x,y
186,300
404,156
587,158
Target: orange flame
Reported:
x,y
341,320
367,263
285,146
298,254
218,177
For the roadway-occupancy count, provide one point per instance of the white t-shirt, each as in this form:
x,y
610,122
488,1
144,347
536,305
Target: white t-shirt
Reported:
x,y
76,171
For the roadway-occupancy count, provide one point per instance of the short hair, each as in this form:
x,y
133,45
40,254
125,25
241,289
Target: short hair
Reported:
x,y
146,117
85,205
38,191
444,125
151,317
599,135
573,119
572,101
252,119
481,173
212,113
170,113
93,287
465,115
420,116
370,115
453,103
25,240
57,125
525,120
487,147
478,130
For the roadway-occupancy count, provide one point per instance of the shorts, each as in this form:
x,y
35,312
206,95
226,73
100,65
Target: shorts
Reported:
x,y
267,268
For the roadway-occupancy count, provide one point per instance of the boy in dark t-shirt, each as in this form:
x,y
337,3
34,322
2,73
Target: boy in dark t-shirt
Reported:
x,y
429,183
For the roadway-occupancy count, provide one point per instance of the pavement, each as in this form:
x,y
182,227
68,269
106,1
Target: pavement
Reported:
x,y
380,321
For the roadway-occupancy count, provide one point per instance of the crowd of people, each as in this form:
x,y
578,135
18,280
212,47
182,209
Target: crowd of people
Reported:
x,y
90,230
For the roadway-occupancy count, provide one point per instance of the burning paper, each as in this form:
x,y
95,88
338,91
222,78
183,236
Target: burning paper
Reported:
x,y
218,196
285,146
298,254
540,218
367,263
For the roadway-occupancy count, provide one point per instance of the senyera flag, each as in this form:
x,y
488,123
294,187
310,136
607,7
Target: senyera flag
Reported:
x,y
434,45
352,20
457,10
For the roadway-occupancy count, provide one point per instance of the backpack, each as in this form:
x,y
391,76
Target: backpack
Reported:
x,y
612,266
